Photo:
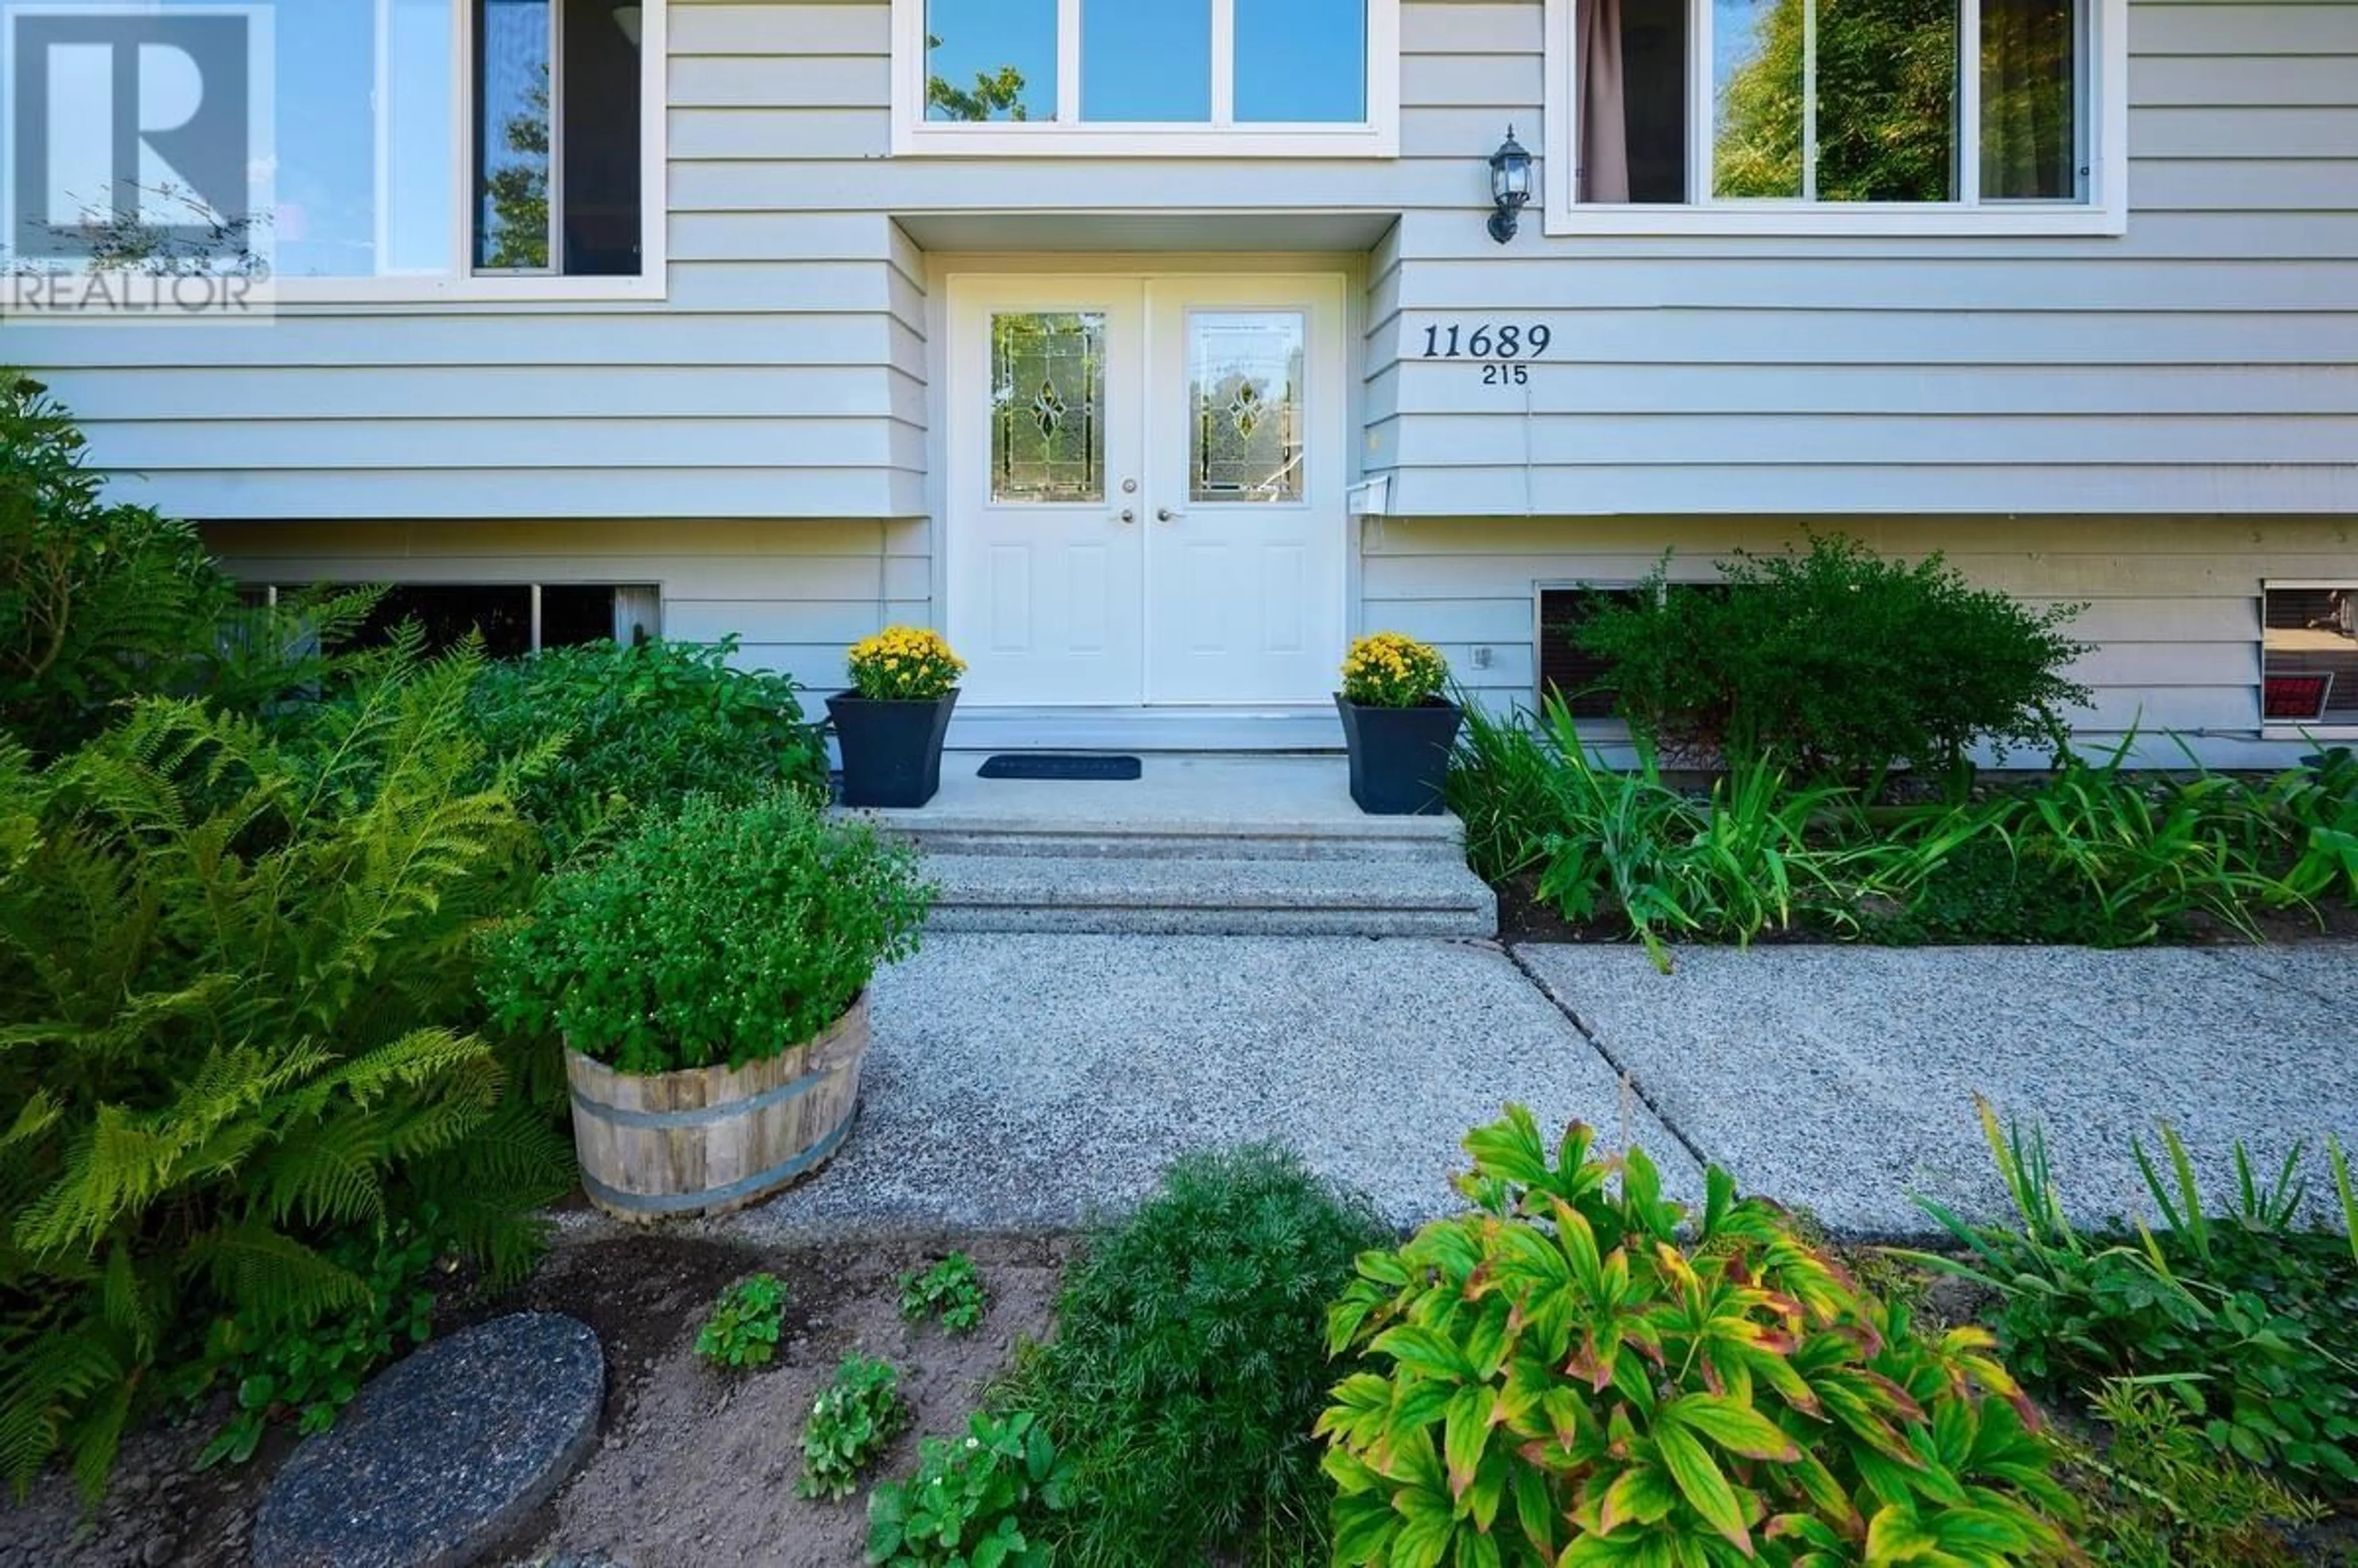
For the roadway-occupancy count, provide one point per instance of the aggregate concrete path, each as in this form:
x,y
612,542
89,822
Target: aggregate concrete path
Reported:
x,y
1029,1081
1844,1077
1023,1081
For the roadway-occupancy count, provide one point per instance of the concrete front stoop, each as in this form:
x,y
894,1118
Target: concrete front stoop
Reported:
x,y
1200,845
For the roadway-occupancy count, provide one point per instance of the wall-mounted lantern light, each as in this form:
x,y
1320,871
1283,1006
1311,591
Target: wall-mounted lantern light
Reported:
x,y
1511,186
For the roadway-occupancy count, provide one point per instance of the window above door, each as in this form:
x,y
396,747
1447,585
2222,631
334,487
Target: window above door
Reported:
x,y
1128,79
488,150
1862,117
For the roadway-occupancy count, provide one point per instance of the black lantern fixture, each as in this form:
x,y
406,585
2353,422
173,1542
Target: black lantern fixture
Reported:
x,y
1511,186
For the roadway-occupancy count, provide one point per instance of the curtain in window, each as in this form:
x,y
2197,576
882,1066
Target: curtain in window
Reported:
x,y
2030,148
1604,109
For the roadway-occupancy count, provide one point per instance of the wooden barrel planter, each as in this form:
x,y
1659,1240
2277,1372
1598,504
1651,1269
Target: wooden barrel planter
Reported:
x,y
710,1140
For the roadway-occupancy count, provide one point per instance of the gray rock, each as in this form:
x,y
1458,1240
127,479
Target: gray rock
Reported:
x,y
444,1454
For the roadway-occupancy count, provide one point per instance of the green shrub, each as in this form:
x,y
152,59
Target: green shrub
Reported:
x,y
229,966
951,1290
746,1324
641,726
855,1419
1567,1376
715,933
1834,662
2158,1496
99,603
970,1500
2250,1321
1188,1367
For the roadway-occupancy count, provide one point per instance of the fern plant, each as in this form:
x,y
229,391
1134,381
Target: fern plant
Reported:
x,y
230,965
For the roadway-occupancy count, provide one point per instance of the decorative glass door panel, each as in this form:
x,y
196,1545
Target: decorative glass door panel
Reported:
x,y
1047,407
1244,373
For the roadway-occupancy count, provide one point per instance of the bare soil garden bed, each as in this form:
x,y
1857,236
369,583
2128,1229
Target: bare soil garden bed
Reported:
x,y
694,1466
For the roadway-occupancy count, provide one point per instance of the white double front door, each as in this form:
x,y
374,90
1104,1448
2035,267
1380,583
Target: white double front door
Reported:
x,y
1146,490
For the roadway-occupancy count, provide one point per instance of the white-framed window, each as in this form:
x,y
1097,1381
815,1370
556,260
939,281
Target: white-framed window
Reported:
x,y
468,150
1147,78
1836,117
2309,657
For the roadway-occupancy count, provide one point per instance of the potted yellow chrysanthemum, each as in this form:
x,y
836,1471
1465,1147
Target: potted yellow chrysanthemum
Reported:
x,y
891,722
1399,727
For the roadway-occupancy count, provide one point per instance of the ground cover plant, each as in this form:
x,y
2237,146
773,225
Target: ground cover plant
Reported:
x,y
1568,1375
745,1325
1188,1367
640,726
234,966
951,1290
2244,1315
973,1500
308,1374
2157,1495
1833,662
856,1416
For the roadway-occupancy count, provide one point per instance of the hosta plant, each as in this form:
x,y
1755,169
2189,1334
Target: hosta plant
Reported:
x,y
1578,1372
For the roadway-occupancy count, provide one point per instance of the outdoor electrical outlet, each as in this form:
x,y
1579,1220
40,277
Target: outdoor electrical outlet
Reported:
x,y
1482,658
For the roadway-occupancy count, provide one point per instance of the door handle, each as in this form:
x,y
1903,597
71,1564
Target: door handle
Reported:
x,y
1166,515
1125,515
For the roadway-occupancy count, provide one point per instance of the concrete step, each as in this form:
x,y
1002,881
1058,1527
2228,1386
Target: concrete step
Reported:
x,y
1204,895
1432,839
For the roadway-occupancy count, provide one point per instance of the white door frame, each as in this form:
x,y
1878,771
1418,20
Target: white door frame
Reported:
x,y
1323,297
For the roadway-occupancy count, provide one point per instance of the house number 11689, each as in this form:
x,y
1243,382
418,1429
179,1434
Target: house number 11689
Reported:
x,y
1485,341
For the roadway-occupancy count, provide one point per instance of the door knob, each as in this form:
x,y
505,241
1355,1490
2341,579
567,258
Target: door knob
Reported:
x,y
1166,515
1125,515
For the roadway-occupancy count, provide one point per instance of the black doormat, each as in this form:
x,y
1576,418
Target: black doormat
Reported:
x,y
1054,765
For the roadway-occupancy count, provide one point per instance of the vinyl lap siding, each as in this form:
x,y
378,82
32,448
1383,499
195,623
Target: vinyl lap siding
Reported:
x,y
2206,362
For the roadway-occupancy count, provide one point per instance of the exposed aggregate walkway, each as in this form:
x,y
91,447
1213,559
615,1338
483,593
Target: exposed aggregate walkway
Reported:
x,y
1032,1081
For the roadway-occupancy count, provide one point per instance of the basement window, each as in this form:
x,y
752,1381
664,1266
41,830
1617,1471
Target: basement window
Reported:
x,y
513,619
2309,672
1580,678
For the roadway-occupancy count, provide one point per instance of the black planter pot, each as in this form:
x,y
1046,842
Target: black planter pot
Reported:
x,y
891,751
1400,756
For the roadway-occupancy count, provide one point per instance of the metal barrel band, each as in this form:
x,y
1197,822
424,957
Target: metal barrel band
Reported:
x,y
702,1116
681,1203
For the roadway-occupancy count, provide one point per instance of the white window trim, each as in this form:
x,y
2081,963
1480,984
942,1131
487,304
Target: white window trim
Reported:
x,y
2328,729
2104,213
1068,135
464,285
